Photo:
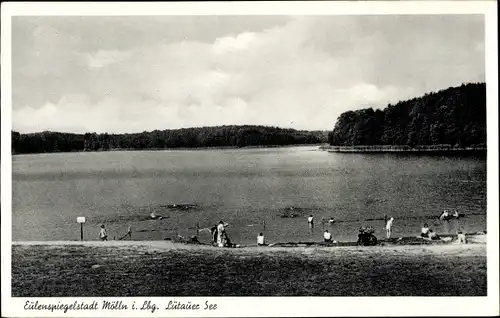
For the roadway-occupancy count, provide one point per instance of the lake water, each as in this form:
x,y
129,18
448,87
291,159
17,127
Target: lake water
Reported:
x,y
246,188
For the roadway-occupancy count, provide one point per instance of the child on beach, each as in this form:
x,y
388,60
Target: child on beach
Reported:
x,y
425,231
327,236
433,235
103,236
461,237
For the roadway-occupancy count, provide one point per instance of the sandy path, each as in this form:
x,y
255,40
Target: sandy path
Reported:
x,y
477,248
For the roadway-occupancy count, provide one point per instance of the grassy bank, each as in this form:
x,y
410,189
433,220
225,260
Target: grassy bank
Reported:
x,y
166,269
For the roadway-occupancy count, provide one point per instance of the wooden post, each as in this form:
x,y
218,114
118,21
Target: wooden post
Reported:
x,y
81,231
197,228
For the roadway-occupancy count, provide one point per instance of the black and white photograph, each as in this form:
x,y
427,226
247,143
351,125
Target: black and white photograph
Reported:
x,y
185,157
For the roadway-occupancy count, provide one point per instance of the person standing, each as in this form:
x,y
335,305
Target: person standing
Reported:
x,y
388,228
129,232
213,230
220,234
260,240
103,236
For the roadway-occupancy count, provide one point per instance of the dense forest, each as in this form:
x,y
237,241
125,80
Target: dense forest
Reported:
x,y
455,116
221,136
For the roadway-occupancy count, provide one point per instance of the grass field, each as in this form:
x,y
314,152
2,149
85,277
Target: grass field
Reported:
x,y
167,269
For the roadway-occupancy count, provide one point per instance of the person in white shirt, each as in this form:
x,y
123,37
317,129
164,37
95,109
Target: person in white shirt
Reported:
x,y
220,234
388,228
327,236
260,240
425,231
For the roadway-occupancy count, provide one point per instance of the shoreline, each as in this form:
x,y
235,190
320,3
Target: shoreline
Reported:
x,y
427,149
431,149
473,239
319,145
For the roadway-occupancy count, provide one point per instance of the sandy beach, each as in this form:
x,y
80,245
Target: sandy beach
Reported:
x,y
163,268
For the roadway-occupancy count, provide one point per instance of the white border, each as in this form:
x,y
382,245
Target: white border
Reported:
x,y
271,306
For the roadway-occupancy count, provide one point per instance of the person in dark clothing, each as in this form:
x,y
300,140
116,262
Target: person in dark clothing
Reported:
x,y
366,237
213,230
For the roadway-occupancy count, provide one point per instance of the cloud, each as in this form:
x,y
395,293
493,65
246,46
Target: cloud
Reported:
x,y
103,58
232,44
299,72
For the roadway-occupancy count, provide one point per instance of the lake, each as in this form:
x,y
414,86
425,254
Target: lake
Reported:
x,y
248,188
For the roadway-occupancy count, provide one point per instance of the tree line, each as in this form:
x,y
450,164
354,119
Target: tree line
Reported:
x,y
220,136
454,116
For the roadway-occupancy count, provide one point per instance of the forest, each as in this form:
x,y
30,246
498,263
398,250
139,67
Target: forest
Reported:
x,y
454,116
220,136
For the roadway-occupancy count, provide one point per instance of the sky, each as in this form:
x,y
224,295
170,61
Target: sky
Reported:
x,y
137,73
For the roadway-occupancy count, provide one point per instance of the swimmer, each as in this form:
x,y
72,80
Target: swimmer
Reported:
x,y
310,219
153,216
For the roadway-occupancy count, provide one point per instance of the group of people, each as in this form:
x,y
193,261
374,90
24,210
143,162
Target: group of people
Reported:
x,y
428,233
365,236
447,215
310,220
219,235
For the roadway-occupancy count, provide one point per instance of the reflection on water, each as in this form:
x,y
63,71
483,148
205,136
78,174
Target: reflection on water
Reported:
x,y
248,188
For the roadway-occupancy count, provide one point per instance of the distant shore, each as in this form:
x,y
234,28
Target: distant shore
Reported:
x,y
435,149
320,145
162,268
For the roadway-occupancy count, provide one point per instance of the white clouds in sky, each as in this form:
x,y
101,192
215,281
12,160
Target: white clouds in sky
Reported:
x,y
103,58
299,72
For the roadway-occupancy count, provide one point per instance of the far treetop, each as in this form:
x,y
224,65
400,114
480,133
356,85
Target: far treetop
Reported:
x,y
455,116
199,137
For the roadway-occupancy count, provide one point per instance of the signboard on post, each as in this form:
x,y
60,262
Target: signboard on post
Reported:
x,y
81,220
